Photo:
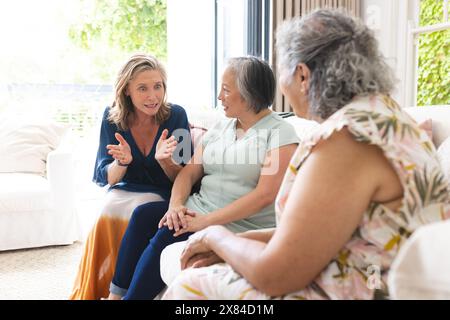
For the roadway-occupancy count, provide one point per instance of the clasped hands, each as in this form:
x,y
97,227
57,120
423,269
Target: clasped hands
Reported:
x,y
196,253
182,220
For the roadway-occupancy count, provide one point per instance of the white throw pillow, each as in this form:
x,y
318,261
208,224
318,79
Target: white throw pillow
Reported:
x,y
444,156
421,269
24,146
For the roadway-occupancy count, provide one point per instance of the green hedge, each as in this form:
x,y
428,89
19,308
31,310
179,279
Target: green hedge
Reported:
x,y
434,57
130,25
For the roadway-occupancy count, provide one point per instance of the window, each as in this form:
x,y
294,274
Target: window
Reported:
x,y
242,28
231,35
428,79
198,48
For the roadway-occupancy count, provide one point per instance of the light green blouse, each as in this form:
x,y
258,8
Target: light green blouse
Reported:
x,y
233,166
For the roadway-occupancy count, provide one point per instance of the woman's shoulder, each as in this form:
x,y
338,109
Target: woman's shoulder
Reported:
x,y
218,129
106,121
280,132
176,109
223,124
376,104
106,113
178,115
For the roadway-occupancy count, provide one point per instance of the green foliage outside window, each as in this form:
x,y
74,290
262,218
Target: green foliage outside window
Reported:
x,y
127,25
109,31
434,57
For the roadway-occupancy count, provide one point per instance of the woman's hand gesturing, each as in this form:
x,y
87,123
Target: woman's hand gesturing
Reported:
x,y
165,146
120,152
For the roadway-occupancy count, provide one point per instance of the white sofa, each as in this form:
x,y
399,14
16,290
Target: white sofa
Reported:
x,y
417,263
37,206
440,116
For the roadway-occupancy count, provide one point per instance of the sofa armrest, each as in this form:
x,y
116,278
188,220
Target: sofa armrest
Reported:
x,y
61,179
421,268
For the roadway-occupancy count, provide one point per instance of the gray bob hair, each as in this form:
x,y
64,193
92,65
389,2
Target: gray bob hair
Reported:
x,y
342,55
254,80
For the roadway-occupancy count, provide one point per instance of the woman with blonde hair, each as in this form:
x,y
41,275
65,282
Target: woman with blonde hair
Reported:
x,y
144,142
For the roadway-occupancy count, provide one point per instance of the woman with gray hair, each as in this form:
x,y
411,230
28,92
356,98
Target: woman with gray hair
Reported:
x,y
240,162
356,188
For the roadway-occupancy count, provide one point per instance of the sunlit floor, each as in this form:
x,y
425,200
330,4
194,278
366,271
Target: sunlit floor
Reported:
x,y
48,273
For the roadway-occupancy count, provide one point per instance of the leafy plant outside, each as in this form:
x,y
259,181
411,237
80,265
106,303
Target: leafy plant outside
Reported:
x,y
127,25
434,57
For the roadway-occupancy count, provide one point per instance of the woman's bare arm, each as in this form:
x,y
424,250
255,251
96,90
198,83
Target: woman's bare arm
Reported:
x,y
264,194
187,177
263,235
332,191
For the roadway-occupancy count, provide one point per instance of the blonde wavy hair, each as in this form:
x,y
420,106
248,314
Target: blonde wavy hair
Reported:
x,y
123,108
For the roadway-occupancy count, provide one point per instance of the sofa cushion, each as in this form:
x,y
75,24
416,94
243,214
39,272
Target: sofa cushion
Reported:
x,y
427,126
197,133
421,268
170,261
23,192
441,120
24,146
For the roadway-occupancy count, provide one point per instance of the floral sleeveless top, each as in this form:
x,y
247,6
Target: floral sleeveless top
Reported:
x,y
359,270
362,265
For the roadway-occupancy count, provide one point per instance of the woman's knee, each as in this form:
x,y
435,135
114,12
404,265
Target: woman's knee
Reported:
x,y
148,213
164,237
114,206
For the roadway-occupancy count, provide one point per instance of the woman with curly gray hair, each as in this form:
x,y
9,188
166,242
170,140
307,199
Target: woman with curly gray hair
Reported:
x,y
356,188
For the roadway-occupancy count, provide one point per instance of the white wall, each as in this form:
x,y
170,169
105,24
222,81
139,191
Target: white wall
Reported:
x,y
190,31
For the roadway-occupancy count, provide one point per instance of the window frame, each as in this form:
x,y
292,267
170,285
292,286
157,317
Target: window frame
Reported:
x,y
257,39
258,28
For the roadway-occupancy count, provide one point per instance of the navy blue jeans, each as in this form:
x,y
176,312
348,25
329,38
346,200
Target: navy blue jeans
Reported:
x,y
137,275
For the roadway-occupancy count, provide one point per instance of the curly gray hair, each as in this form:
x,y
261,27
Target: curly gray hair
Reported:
x,y
342,55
